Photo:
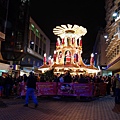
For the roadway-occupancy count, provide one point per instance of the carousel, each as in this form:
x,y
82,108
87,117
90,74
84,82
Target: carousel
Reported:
x,y
68,53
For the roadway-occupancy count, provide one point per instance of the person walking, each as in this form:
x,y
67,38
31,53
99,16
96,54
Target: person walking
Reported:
x,y
31,87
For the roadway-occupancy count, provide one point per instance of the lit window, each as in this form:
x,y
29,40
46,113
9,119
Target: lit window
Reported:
x,y
33,62
28,60
38,64
32,27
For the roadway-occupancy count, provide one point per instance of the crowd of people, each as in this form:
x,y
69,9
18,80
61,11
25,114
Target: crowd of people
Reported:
x,y
10,86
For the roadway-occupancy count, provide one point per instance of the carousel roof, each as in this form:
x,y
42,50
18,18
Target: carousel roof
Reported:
x,y
65,30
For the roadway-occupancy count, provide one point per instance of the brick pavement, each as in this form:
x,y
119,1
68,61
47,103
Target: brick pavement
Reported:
x,y
66,109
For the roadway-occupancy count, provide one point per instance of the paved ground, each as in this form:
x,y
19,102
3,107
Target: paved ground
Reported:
x,y
65,109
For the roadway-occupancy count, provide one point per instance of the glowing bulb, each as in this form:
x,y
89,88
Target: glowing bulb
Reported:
x,y
92,55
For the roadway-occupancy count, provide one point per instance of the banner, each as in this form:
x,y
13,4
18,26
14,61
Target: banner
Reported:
x,y
66,89
83,89
75,89
46,88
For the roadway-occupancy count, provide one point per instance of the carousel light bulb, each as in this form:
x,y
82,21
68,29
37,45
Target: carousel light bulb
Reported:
x,y
54,51
92,55
79,38
44,54
58,38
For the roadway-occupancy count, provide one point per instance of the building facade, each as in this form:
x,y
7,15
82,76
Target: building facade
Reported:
x,y
112,30
38,44
99,50
4,65
24,43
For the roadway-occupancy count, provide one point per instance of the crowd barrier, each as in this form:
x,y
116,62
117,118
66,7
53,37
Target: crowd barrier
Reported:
x,y
67,89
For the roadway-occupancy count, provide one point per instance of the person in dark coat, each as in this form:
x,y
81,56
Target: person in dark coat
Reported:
x,y
8,86
82,79
31,87
67,78
108,86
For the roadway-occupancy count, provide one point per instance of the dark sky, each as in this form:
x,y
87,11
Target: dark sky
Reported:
x,y
87,13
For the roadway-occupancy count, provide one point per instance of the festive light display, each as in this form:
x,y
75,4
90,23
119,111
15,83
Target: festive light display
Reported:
x,y
68,53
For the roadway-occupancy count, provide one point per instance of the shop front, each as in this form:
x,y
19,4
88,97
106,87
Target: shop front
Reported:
x,y
4,68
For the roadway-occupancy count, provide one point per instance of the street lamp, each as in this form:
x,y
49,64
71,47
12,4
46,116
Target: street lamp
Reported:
x,y
105,36
114,14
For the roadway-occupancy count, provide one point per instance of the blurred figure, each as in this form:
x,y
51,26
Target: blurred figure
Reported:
x,y
31,87
67,77
113,84
42,79
25,77
56,78
108,85
1,85
117,89
61,79
8,85
82,79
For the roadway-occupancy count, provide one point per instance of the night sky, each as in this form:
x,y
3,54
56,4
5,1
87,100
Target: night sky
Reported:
x,y
87,13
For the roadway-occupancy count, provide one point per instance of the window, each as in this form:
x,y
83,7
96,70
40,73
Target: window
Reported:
x,y
36,48
43,52
117,49
44,47
38,64
18,46
32,35
32,27
34,62
40,43
40,51
32,45
37,33
37,40
115,53
41,37
29,60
